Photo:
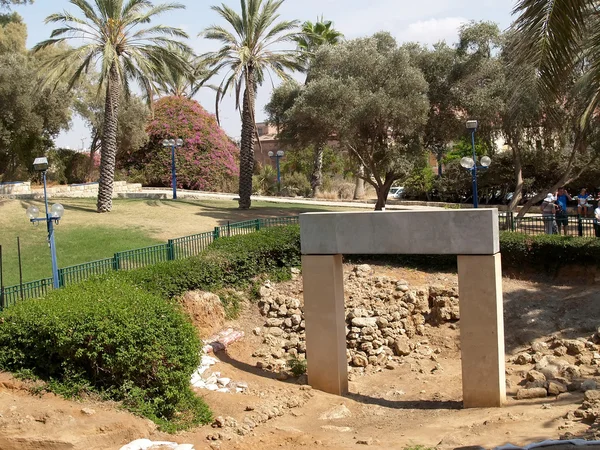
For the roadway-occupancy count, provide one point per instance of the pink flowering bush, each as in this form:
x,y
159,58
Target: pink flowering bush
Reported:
x,y
208,159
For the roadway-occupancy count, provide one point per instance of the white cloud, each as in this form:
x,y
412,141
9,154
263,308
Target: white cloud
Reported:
x,y
432,31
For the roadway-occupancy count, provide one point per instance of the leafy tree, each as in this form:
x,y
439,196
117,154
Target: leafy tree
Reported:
x,y
132,121
8,3
115,33
373,95
29,118
208,159
559,41
443,123
248,54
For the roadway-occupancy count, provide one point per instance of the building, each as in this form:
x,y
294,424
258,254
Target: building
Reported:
x,y
267,134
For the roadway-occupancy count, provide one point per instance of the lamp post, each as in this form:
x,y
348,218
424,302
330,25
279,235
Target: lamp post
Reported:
x,y
173,143
471,163
53,216
280,154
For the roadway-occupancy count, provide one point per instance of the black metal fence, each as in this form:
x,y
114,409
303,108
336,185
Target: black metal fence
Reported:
x,y
567,225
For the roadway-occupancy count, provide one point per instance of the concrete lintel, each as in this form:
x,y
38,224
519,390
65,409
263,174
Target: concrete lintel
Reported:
x,y
459,232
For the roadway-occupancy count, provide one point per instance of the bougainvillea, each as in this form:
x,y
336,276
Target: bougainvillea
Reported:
x,y
208,159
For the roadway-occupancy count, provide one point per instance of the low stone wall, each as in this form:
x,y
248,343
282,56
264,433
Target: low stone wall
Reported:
x,y
24,190
15,188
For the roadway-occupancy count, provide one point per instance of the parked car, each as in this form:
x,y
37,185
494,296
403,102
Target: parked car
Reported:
x,y
396,192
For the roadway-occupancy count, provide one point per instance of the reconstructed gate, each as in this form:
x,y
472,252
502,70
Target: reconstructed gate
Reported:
x,y
472,235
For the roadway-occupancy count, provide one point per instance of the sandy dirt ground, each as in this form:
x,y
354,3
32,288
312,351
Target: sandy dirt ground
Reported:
x,y
417,403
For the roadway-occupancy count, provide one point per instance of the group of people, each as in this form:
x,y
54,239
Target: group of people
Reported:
x,y
554,210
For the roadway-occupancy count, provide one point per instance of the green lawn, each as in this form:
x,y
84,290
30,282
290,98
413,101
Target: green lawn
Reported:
x,y
83,235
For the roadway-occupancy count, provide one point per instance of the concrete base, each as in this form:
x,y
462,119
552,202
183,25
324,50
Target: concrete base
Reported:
x,y
481,330
325,323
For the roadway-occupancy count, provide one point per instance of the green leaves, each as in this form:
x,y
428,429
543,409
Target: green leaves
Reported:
x,y
113,338
112,35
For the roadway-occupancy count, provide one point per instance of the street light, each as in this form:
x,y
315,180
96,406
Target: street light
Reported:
x,y
471,163
173,143
53,216
280,154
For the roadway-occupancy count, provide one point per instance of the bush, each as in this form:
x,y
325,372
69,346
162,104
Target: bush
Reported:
x,y
110,337
296,183
208,159
227,262
548,252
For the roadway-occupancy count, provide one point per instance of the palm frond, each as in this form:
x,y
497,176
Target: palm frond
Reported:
x,y
551,33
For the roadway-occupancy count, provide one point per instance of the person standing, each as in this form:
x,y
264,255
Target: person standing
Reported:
x,y
549,208
562,217
597,220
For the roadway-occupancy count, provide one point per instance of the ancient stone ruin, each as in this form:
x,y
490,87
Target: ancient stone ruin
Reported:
x,y
383,316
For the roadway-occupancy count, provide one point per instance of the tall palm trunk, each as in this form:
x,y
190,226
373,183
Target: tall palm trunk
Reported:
x,y
317,176
247,144
108,150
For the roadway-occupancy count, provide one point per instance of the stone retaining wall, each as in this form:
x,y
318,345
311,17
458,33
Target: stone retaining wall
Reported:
x,y
24,190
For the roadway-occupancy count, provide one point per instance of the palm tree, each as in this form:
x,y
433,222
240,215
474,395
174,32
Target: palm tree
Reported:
x,y
116,39
312,37
315,35
170,82
557,38
247,55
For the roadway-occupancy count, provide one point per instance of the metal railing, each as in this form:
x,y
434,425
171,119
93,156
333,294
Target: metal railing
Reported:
x,y
180,248
533,225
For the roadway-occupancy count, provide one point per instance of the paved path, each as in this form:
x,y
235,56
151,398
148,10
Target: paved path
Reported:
x,y
185,194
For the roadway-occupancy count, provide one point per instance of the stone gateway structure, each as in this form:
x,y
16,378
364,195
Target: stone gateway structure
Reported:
x,y
472,235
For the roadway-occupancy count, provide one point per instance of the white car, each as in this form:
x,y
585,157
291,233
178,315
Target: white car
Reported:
x,y
396,192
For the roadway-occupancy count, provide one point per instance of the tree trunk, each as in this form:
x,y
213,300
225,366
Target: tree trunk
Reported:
x,y
382,193
316,180
108,150
564,179
247,143
359,190
518,194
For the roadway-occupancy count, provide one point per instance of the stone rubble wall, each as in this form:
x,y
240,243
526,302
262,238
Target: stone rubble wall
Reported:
x,y
24,190
383,317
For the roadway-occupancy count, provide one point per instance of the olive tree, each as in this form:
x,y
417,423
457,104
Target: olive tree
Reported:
x,y
372,95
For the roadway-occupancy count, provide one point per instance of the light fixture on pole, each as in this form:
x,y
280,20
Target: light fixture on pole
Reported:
x,y
280,154
173,143
53,216
471,163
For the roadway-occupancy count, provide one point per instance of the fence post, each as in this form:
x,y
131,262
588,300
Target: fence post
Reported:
x,y
579,225
217,233
116,262
2,306
171,250
61,277
257,224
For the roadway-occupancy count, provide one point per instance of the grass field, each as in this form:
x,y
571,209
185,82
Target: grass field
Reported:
x,y
84,235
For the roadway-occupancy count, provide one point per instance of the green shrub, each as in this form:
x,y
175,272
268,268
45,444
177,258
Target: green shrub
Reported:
x,y
107,336
548,252
228,262
297,366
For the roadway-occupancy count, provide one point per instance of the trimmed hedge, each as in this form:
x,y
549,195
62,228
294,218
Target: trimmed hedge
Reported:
x,y
233,261
107,336
548,252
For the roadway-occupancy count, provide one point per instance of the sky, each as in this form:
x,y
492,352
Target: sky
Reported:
x,y
425,21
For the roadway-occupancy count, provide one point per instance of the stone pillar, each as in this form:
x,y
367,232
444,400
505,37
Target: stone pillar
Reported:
x,y
481,330
325,323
